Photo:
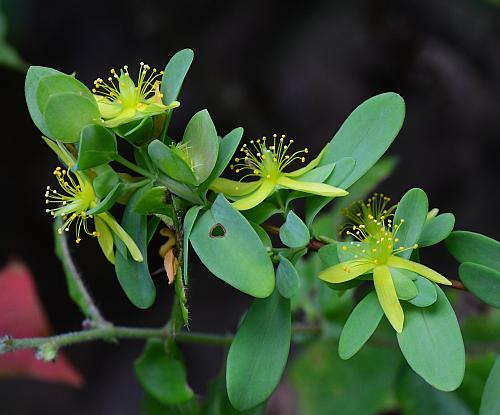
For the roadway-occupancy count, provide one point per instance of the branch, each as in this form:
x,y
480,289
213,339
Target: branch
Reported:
x,y
112,333
86,302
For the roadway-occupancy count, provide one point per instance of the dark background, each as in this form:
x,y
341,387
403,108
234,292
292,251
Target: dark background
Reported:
x,y
269,67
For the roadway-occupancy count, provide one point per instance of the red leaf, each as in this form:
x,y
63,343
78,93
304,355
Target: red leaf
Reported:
x,y
22,315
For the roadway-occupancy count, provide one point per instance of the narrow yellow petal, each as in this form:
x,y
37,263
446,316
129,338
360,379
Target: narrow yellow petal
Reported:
x,y
309,167
105,239
321,189
430,274
387,297
123,235
253,199
233,187
345,271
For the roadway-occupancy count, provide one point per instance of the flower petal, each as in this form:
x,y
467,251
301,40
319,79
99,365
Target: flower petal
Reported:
x,y
248,202
124,116
123,235
387,297
310,166
430,274
321,189
105,238
233,187
345,271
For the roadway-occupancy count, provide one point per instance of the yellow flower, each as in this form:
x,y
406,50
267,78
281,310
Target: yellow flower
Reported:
x,y
373,250
73,201
120,101
266,161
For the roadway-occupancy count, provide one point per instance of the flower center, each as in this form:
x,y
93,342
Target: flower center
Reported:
x,y
267,159
122,89
373,232
76,198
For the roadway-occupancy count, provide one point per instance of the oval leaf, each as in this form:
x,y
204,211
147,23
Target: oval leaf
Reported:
x,y
474,247
412,209
481,281
360,325
490,404
259,352
436,229
134,277
223,232
287,278
427,294
202,141
66,114
432,343
174,74
170,163
162,375
294,232
97,146
367,133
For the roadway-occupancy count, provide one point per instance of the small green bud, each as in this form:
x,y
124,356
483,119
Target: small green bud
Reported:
x,y
46,352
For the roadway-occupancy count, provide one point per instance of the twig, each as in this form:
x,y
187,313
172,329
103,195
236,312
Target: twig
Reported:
x,y
112,333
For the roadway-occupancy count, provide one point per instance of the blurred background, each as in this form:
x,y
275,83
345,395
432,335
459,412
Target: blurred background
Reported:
x,y
267,66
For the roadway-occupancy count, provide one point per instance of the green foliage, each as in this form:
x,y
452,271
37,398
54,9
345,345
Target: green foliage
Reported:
x,y
97,146
134,276
294,232
436,229
360,325
481,281
474,247
490,404
259,352
287,278
162,373
412,210
224,232
432,343
327,385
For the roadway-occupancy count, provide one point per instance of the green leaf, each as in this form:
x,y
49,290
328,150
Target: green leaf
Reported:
x,y
361,324
417,398
287,278
436,229
477,369
490,404
367,133
481,281
59,84
174,75
262,212
294,232
109,201
137,132
134,276
223,232
217,402
227,147
162,374
153,406
107,179
327,385
258,355
33,77
432,343
187,227
170,163
97,146
474,247
405,288
412,210
202,140
427,294
67,113
343,169
153,201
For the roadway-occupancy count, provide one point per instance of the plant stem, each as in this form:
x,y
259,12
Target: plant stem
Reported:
x,y
112,333
143,172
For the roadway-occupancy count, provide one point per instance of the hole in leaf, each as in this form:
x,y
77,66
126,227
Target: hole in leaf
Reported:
x,y
217,231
